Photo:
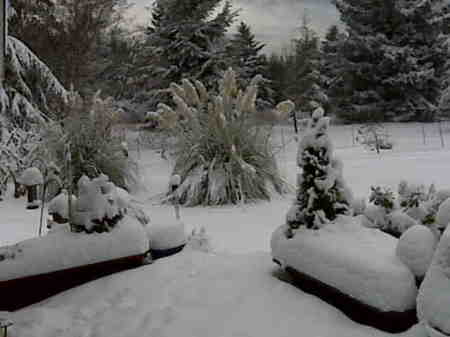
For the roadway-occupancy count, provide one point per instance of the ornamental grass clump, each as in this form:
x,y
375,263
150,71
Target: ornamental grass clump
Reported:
x,y
221,154
88,134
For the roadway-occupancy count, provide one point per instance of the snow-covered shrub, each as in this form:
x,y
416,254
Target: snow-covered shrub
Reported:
x,y
374,136
93,211
385,213
398,222
382,197
443,215
416,248
199,240
377,215
322,193
94,146
433,301
59,207
221,154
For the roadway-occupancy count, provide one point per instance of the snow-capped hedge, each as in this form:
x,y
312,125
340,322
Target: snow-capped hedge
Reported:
x,y
358,261
63,249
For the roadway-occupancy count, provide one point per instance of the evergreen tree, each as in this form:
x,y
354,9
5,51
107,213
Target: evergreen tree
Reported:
x,y
186,42
395,55
322,194
330,64
247,61
31,94
68,35
305,87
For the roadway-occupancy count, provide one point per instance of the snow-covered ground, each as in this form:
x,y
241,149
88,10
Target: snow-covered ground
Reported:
x,y
232,291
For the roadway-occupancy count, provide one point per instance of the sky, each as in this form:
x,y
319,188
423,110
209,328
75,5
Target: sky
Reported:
x,y
274,22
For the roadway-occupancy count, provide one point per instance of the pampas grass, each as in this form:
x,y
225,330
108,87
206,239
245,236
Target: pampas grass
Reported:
x,y
95,147
221,154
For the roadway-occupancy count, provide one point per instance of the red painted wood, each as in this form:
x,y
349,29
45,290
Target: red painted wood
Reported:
x,y
21,292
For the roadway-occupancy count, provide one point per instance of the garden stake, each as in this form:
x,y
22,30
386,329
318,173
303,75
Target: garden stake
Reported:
x,y
44,187
174,183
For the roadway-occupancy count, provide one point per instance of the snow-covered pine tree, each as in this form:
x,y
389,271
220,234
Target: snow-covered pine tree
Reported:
x,y
31,93
30,96
330,63
247,61
306,87
395,55
186,42
322,193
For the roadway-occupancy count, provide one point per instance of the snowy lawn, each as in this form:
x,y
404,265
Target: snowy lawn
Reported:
x,y
229,293
190,294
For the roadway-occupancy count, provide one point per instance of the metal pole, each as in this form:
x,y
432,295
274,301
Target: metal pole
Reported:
x,y
3,35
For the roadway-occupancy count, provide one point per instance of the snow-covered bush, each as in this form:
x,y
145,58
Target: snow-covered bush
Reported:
x,y
415,249
221,154
199,240
93,212
322,193
443,215
374,136
386,214
94,146
382,197
433,301
58,207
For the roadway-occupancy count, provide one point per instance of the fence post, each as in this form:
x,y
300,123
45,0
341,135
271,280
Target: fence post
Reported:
x,y
423,134
440,134
353,135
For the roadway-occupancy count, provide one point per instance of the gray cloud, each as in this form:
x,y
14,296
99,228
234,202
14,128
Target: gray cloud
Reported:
x,y
274,22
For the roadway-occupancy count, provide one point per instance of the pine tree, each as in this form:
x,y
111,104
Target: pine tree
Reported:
x,y
247,61
395,55
330,64
31,94
305,87
322,194
187,42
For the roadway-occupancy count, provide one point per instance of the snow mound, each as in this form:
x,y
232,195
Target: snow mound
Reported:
x,y
443,214
64,249
416,248
60,204
376,215
433,302
358,261
166,235
31,176
399,221
418,213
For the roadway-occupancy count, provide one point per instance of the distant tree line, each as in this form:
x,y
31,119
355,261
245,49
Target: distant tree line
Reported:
x,y
390,62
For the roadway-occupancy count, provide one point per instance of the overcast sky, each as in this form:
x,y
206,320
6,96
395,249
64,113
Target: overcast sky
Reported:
x,y
274,22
